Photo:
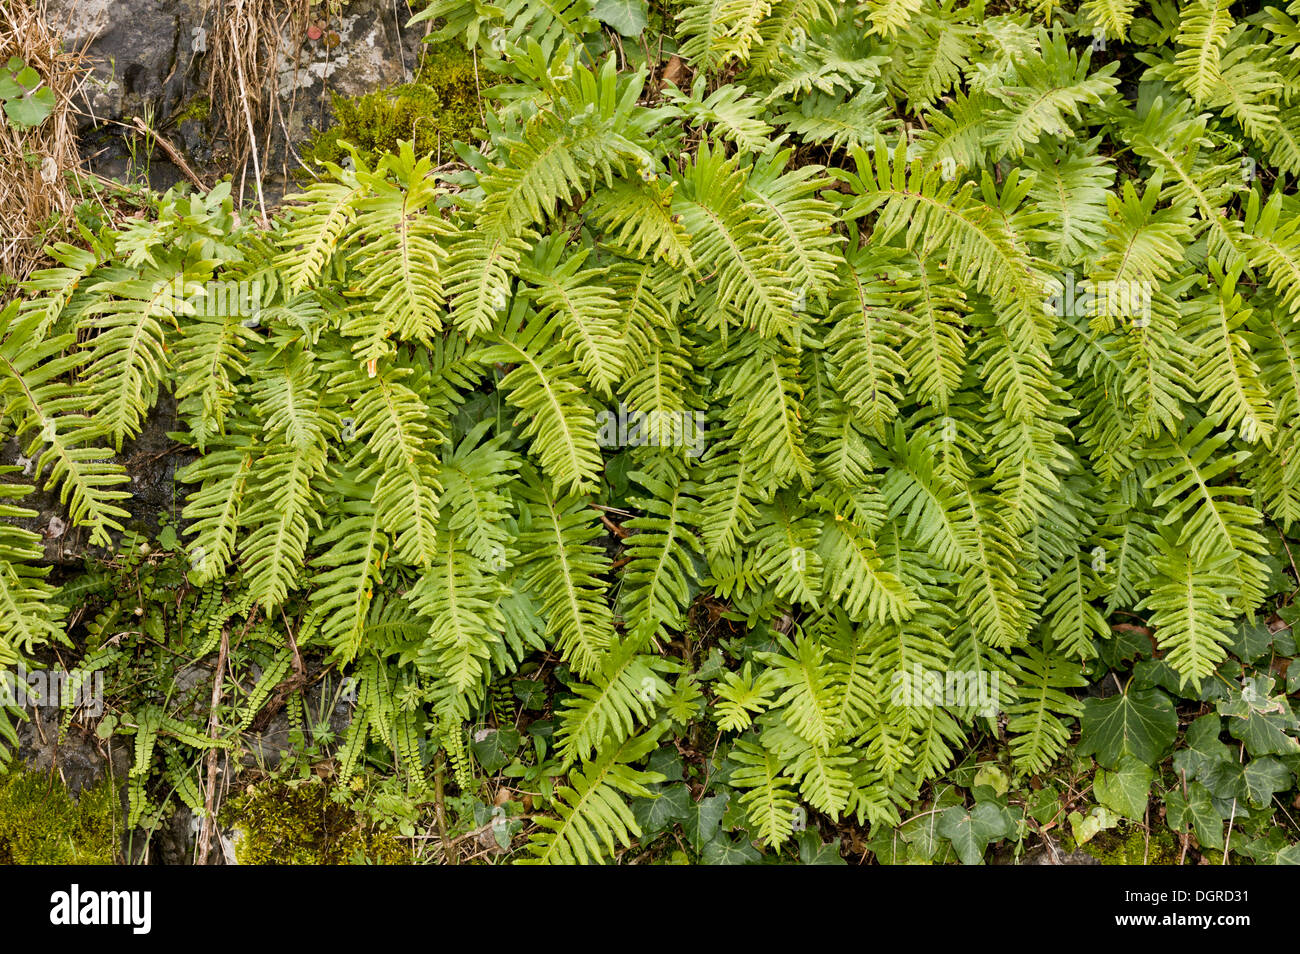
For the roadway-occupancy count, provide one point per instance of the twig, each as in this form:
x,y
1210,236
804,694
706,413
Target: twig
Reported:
x,y
172,152
205,829
248,118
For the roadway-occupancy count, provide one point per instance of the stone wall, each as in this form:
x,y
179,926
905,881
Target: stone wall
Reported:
x,y
150,59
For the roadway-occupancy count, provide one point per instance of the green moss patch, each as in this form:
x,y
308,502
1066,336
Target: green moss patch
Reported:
x,y
42,824
280,824
439,107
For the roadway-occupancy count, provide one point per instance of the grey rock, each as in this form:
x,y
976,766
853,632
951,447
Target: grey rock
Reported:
x,y
150,59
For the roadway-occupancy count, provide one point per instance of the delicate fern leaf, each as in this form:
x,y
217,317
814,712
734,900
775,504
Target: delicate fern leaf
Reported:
x,y
1275,241
823,775
583,310
1228,377
277,521
389,413
479,273
1051,90
768,796
662,551
637,215
731,114
713,33
623,695
858,578
932,315
349,573
1110,18
888,18
1070,617
741,695
475,479
838,123
594,818
556,417
1037,718
210,359
863,342
929,60
1191,614
398,252
807,694
588,136
1203,30
128,351
326,212
1072,189
52,430
763,387
29,615
1213,523
458,594
796,221
50,290
563,568
984,251
728,241
728,513
215,508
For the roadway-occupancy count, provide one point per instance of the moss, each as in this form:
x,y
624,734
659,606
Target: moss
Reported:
x,y
197,110
440,106
41,823
280,824
1129,845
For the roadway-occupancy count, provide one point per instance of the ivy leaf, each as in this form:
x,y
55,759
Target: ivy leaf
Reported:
x,y
703,820
730,851
1139,722
1251,641
1204,748
1265,777
1226,779
1196,811
1264,722
672,804
1126,789
1086,827
971,831
531,693
1290,855
628,17
494,748
31,109
813,851
994,778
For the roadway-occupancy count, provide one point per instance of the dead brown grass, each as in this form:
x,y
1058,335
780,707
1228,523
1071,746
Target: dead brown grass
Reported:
x,y
36,188
245,46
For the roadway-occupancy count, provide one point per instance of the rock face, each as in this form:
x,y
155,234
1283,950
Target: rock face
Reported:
x,y
151,59
150,461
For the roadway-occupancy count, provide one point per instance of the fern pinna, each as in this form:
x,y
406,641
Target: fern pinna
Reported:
x,y
921,346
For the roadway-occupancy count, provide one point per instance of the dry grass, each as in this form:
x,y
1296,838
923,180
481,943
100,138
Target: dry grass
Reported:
x,y
36,198
244,48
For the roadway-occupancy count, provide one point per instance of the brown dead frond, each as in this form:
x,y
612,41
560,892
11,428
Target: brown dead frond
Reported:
x,y
36,191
